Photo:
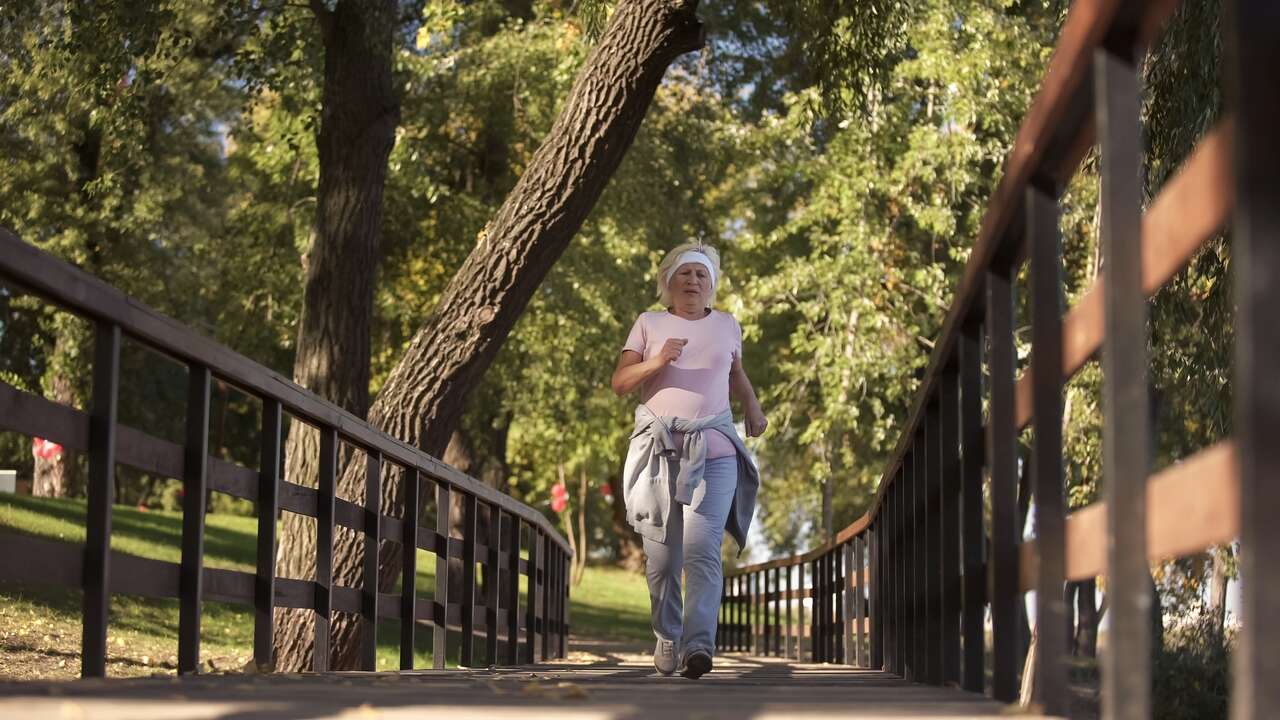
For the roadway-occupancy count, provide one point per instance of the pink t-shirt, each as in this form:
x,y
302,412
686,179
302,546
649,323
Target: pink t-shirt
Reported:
x,y
696,385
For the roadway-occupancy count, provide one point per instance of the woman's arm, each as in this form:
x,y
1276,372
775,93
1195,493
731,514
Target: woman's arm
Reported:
x,y
632,370
740,389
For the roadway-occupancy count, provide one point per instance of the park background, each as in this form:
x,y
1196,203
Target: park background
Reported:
x,y
839,154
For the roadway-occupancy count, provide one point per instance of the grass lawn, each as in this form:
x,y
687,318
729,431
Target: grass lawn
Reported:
x,y
40,625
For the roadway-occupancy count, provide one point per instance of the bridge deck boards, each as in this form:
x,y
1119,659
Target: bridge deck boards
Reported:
x,y
599,682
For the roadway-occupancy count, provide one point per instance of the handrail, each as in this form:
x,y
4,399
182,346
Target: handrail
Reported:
x,y
542,615
932,567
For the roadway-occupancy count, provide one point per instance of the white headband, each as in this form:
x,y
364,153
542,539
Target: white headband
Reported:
x,y
691,256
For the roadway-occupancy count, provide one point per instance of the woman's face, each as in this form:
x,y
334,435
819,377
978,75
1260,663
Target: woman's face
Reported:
x,y
691,284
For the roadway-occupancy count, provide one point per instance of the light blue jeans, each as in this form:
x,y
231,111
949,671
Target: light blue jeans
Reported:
x,y
694,533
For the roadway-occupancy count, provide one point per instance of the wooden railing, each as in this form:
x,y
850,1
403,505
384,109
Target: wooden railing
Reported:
x,y
920,564
520,541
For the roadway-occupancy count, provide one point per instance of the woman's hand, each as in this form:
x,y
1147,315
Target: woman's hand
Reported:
x,y
756,422
671,350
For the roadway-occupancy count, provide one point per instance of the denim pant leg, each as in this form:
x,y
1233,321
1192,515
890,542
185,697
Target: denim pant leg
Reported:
x,y
692,547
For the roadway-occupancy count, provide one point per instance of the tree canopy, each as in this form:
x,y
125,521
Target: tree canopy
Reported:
x,y
839,154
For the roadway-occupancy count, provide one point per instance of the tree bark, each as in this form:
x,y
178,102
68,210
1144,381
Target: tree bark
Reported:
x,y
422,401
1218,587
630,553
358,118
56,477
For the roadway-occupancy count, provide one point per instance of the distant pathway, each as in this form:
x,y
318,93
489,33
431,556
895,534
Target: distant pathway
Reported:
x,y
609,681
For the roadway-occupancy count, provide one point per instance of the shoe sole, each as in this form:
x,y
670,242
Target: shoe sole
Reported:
x,y
696,666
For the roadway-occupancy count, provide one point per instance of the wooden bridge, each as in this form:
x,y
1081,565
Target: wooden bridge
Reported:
x,y
886,619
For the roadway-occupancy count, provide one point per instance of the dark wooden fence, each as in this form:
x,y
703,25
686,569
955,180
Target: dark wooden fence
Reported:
x,y
531,627
907,586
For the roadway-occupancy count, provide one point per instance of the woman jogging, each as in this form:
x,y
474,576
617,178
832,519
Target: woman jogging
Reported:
x,y
687,476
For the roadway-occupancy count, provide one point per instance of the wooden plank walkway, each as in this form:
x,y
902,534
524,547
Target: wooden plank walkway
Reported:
x,y
598,681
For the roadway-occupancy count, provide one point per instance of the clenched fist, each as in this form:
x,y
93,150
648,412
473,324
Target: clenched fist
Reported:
x,y
671,350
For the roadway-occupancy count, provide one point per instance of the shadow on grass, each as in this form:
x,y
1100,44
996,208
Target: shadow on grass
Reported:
x,y
222,545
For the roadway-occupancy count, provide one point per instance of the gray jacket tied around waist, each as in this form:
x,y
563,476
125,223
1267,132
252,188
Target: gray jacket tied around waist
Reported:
x,y
657,471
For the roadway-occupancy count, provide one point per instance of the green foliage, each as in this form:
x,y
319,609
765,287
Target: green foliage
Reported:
x,y
853,242
1191,677
840,154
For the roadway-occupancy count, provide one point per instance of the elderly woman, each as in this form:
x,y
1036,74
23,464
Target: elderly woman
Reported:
x,y
687,476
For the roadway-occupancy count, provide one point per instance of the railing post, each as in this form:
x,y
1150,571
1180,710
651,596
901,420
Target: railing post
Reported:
x,y
836,578
949,466
468,600
934,511
1126,453
875,594
565,624
440,596
101,490
859,598
562,594
800,622
1253,58
971,511
897,575
848,599
195,467
911,525
409,566
372,534
548,561
552,589
791,630
491,580
531,598
777,613
822,616
1001,437
739,611
513,590
324,547
766,620
815,612
264,593
1050,515
564,608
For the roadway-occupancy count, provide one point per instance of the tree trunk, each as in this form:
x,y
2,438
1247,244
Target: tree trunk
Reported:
x,y
422,400
580,555
56,476
359,114
630,552
828,509
1218,587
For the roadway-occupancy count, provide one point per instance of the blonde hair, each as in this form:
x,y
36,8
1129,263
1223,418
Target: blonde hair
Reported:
x,y
664,292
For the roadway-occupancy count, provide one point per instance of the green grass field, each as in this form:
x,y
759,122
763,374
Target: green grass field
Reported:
x,y
40,625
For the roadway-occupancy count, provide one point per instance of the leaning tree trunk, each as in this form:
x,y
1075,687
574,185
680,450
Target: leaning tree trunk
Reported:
x,y
358,118
423,397
630,552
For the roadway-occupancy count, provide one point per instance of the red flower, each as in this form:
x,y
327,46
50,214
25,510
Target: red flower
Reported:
x,y
559,503
606,490
558,491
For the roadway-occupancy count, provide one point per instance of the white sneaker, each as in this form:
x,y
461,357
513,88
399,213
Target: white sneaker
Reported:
x,y
664,656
